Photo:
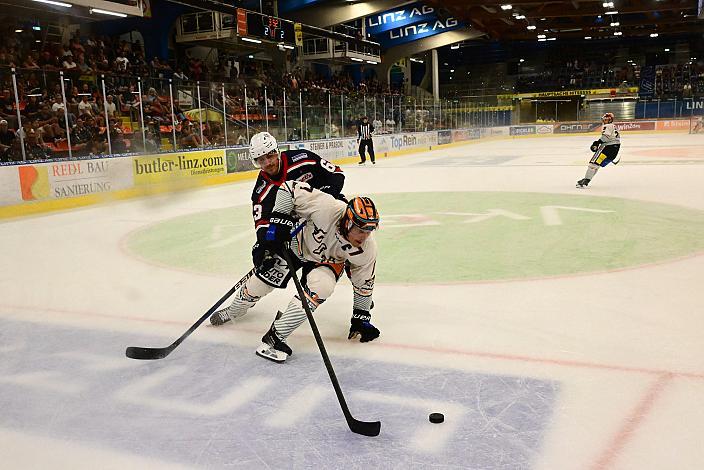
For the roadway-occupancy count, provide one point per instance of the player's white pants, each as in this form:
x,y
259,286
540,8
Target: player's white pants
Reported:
x,y
592,168
320,283
248,295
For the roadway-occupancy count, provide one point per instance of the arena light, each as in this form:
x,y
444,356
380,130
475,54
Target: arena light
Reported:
x,y
608,4
618,33
587,37
615,23
530,27
611,13
255,41
520,17
356,59
37,28
522,60
455,46
654,35
108,12
18,30
542,39
372,62
540,36
552,39
56,4
506,7
667,49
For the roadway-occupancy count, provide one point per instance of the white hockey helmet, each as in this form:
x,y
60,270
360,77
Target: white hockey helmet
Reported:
x,y
261,144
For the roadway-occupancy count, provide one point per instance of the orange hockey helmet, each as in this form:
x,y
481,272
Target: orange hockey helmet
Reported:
x,y
360,212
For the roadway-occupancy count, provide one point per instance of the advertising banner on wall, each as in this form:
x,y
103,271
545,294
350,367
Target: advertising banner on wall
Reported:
x,y
635,126
151,169
544,129
9,185
444,137
63,179
331,149
504,130
460,135
575,127
238,159
522,130
673,125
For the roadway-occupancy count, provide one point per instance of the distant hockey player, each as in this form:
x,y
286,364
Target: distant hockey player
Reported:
x,y
335,233
276,168
605,149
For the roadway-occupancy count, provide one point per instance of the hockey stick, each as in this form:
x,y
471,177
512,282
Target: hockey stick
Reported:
x,y
137,352
360,427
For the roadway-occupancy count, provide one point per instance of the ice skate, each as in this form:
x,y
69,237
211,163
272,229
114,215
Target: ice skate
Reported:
x,y
273,348
220,317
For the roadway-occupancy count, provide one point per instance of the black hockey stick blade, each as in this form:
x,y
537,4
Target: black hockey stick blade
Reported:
x,y
147,354
136,352
364,428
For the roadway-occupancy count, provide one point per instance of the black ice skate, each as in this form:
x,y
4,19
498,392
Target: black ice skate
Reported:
x,y
583,183
273,348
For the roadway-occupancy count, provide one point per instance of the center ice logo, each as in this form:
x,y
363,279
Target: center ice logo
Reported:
x,y
461,236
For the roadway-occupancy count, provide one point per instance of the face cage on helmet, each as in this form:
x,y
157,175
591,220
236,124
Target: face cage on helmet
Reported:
x,y
367,226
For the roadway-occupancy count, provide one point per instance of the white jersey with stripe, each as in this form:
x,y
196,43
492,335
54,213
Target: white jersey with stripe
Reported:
x,y
321,241
610,135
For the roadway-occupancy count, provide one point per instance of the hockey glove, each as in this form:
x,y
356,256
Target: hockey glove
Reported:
x,y
263,258
361,327
595,145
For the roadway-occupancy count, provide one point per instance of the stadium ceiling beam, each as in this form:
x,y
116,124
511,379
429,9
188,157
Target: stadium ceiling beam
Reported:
x,y
585,24
545,10
607,33
333,13
426,44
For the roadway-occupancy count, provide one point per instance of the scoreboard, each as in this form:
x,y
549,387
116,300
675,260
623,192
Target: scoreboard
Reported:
x,y
268,28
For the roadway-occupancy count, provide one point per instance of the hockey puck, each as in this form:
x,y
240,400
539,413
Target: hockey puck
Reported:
x,y
436,418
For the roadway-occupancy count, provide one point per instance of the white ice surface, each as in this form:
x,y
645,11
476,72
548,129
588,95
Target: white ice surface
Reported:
x,y
625,347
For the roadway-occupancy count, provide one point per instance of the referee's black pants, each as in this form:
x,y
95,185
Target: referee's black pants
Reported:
x,y
368,144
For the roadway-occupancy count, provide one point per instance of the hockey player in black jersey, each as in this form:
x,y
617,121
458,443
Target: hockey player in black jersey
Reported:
x,y
276,167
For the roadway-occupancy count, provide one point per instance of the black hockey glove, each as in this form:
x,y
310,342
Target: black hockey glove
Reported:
x,y
361,327
595,145
262,258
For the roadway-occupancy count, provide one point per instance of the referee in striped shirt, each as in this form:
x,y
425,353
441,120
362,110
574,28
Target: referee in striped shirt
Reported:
x,y
364,137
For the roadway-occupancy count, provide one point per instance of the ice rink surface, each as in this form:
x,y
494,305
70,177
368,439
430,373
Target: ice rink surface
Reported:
x,y
555,328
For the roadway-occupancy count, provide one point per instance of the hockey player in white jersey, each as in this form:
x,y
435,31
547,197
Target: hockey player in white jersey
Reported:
x,y
335,232
605,149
